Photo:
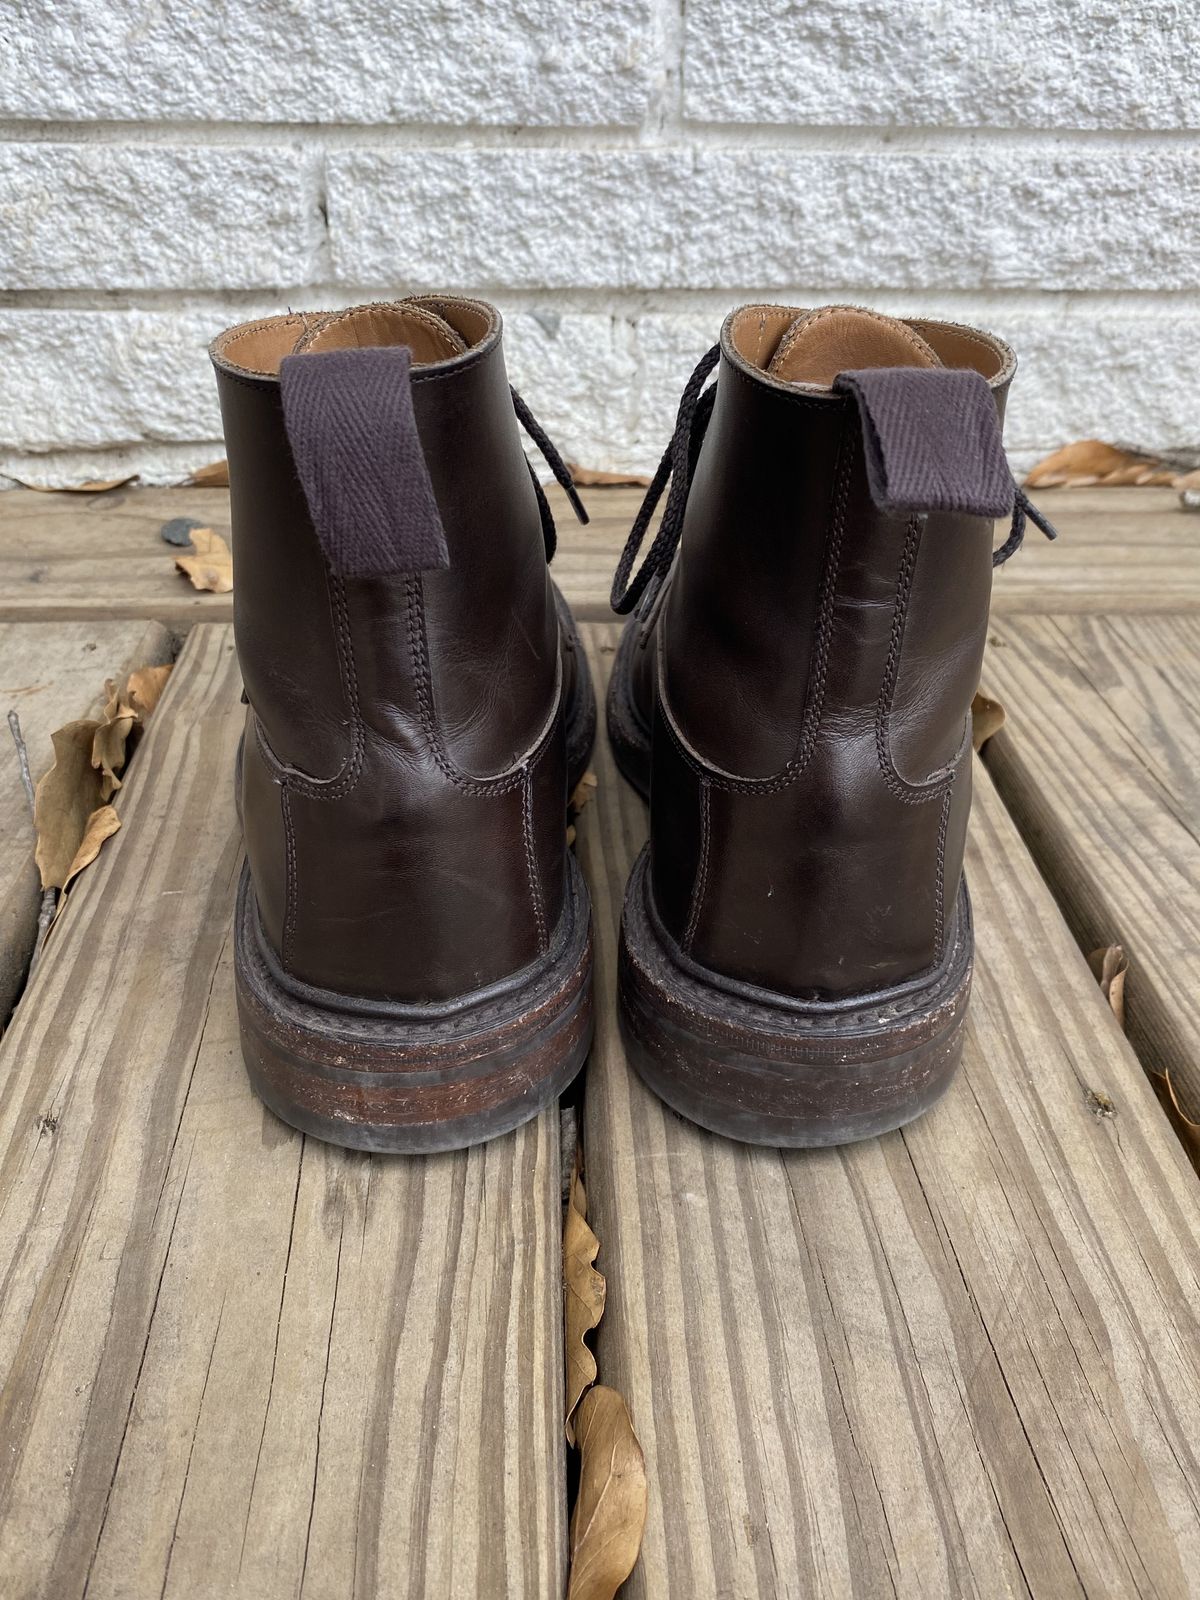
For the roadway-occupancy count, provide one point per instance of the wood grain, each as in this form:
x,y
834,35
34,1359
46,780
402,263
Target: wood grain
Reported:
x,y
963,1360
65,556
50,674
1099,764
235,1361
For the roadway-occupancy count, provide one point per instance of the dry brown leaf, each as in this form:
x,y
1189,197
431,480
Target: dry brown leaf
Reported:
x,y
583,792
144,687
71,814
65,799
1184,1125
591,478
214,476
109,747
91,486
584,1298
1091,461
988,716
210,563
101,825
1109,966
610,1509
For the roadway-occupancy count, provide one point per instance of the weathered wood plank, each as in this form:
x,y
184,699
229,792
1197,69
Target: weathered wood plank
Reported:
x,y
69,556
1099,764
50,674
963,1360
101,555
235,1361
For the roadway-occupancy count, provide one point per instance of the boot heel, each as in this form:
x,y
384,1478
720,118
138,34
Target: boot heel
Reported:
x,y
767,1069
371,1075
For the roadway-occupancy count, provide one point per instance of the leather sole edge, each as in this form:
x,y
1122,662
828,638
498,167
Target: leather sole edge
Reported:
x,y
417,1086
786,1075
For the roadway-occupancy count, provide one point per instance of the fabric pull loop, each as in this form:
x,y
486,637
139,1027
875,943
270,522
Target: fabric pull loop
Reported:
x,y
350,422
932,441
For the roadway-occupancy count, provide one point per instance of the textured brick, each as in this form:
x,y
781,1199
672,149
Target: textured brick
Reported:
x,y
579,372
358,61
1025,63
83,380
102,216
765,219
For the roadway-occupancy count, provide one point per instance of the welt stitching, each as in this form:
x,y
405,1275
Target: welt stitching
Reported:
x,y
331,788
815,700
535,887
259,382
700,886
805,401
289,891
457,365
939,932
419,654
930,788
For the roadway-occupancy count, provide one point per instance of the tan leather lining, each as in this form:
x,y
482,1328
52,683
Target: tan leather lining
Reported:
x,y
435,327
820,344
963,347
756,332
429,337
259,347
473,319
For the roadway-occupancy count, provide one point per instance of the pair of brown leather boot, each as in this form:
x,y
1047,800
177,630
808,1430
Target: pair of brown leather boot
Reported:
x,y
413,944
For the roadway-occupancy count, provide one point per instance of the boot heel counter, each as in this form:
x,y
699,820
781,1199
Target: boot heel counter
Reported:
x,y
265,830
679,834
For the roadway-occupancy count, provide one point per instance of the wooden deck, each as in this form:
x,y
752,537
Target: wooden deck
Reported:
x,y
960,1360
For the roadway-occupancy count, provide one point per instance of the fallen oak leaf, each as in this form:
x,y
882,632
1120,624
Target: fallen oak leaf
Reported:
x,y
101,825
144,687
583,792
89,486
1185,1126
210,567
1091,461
129,704
1109,966
64,801
583,1304
70,806
988,716
610,1508
213,476
109,747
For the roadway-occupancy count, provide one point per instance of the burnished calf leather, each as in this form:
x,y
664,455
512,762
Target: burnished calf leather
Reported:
x,y
404,772
808,676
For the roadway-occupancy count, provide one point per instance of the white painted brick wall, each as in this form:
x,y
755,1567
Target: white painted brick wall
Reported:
x,y
614,173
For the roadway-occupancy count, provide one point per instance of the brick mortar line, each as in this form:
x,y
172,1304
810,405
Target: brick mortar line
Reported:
x,y
627,305
664,129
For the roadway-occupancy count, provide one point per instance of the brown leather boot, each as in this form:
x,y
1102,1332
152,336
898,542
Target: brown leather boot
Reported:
x,y
794,695
413,939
